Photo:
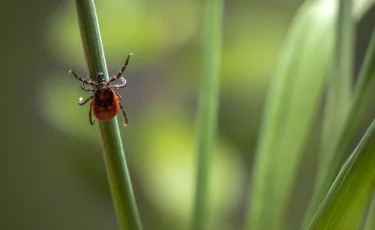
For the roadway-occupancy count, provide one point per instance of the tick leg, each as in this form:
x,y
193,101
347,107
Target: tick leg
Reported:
x,y
87,81
82,102
119,73
85,88
90,116
117,86
118,95
124,115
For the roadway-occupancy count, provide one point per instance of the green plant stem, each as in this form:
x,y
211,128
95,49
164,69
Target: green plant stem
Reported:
x,y
208,107
117,170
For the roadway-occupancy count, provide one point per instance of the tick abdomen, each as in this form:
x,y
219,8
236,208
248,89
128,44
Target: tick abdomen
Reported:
x,y
105,104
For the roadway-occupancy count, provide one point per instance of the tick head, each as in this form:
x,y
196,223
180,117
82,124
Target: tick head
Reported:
x,y
101,78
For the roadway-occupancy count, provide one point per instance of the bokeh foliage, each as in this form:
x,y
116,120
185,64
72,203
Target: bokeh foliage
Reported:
x,y
54,176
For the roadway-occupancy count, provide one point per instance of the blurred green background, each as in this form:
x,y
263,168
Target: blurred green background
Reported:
x,y
52,171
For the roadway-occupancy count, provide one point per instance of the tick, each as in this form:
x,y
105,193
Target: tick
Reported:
x,y
105,101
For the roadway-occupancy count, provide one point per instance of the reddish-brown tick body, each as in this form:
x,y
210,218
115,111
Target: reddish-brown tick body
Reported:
x,y
105,102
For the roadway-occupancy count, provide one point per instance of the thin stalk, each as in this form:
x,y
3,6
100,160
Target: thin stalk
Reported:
x,y
208,107
117,170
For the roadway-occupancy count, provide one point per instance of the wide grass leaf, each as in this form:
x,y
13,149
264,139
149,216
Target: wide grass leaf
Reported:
x,y
293,102
337,154
347,200
294,98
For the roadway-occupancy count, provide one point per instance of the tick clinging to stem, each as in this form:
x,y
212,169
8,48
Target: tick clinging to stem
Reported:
x,y
105,101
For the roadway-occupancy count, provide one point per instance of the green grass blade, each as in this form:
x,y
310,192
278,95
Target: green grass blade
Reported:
x,y
339,82
208,106
117,170
370,218
345,205
361,100
338,93
292,104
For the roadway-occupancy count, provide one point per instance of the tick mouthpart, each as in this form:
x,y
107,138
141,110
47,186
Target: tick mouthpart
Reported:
x,y
101,78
